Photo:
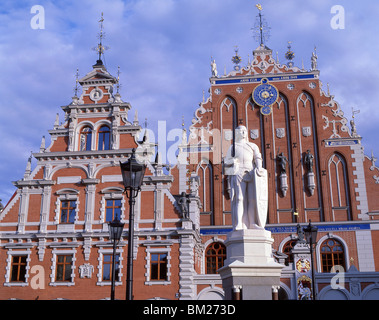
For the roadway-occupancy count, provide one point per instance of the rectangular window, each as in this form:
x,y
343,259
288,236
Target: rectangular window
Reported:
x,y
112,210
18,269
68,211
158,266
107,266
64,268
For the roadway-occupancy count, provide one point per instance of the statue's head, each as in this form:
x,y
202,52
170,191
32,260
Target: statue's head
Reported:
x,y
241,133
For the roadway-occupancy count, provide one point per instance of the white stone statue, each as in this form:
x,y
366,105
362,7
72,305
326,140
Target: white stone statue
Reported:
x,y
247,183
214,68
314,60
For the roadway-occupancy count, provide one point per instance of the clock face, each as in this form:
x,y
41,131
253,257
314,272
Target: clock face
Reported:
x,y
266,110
265,95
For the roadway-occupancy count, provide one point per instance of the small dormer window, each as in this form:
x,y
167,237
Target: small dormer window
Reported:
x,y
104,135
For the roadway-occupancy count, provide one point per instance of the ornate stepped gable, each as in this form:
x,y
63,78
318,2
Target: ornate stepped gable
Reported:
x,y
303,118
62,207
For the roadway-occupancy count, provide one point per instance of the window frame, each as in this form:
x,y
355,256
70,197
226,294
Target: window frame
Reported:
x,y
150,250
113,207
106,263
54,267
111,193
157,265
287,248
8,268
69,209
104,138
66,195
217,256
65,265
119,274
325,266
19,264
86,135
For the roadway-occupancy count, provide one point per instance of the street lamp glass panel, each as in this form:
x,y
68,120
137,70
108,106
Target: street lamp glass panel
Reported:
x,y
115,230
310,233
133,172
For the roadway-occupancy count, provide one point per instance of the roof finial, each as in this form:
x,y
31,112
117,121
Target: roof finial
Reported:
x,y
261,29
76,82
100,48
28,169
290,55
118,79
236,59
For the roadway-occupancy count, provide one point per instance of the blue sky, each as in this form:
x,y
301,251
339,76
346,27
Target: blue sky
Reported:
x,y
163,48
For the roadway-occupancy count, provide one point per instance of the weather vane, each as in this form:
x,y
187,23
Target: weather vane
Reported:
x,y
261,28
100,48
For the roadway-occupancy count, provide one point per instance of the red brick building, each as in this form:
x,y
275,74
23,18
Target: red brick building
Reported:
x,y
54,241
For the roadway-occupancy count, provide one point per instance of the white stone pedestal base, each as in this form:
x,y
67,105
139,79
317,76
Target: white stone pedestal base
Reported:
x,y
249,265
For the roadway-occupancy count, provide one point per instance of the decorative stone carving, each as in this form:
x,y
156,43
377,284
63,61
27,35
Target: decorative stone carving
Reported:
x,y
86,270
254,134
283,184
307,131
280,133
308,161
183,202
282,159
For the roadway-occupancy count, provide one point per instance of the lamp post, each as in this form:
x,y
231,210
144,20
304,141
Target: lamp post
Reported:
x,y
115,230
311,237
133,172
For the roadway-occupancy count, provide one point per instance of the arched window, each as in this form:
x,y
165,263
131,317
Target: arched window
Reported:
x,y
104,138
215,255
287,248
205,172
332,254
339,191
85,139
228,119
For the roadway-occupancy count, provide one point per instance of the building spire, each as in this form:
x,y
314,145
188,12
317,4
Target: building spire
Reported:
x,y
261,28
100,48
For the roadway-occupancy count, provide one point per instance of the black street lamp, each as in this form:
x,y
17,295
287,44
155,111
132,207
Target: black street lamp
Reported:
x,y
115,230
133,172
311,236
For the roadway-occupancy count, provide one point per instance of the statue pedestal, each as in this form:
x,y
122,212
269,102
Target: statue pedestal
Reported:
x,y
249,265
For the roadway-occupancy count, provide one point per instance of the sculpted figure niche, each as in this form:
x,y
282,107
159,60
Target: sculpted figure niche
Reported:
x,y
247,183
